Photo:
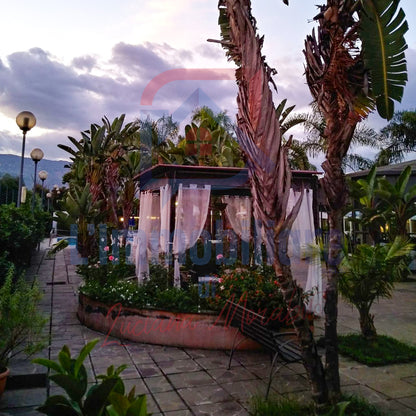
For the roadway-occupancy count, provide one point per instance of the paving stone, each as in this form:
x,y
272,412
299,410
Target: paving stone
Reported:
x,y
289,383
167,355
22,398
216,409
409,402
140,386
222,375
194,379
158,384
215,362
149,370
169,400
243,391
179,366
22,411
196,396
179,413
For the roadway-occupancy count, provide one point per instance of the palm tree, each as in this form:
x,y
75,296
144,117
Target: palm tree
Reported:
x,y
398,138
260,137
316,143
355,62
337,75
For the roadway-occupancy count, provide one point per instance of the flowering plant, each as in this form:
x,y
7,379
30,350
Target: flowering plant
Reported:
x,y
255,288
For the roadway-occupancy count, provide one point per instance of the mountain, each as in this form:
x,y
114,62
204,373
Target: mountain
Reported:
x,y
11,164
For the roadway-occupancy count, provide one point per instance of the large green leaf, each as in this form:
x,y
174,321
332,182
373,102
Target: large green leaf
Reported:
x,y
70,384
382,29
83,355
58,406
97,396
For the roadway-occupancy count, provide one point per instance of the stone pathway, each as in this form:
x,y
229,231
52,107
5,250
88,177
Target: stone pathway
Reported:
x,y
181,381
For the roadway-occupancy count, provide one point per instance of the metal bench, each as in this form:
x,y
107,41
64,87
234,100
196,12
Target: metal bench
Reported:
x,y
253,325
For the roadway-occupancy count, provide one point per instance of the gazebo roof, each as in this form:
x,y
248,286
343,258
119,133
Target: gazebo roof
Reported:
x,y
230,180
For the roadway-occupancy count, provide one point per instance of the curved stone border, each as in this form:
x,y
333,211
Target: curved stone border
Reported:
x,y
190,330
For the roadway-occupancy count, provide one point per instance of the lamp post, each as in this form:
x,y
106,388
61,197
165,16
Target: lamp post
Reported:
x,y
48,196
25,120
36,155
43,176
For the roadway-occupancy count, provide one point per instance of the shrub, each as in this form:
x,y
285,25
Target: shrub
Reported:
x,y
156,292
257,287
107,398
21,231
20,323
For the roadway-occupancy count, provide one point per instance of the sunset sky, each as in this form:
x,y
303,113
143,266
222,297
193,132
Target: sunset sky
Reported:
x,y
71,63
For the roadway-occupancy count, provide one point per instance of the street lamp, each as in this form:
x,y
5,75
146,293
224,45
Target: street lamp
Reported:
x,y
43,176
48,196
36,155
25,120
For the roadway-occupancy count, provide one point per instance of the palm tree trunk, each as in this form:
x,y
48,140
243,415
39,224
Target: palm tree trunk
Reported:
x,y
292,295
368,330
270,175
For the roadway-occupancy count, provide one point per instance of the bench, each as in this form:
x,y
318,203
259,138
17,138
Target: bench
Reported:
x,y
253,325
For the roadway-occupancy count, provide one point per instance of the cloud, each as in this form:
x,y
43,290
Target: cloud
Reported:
x,y
86,62
66,100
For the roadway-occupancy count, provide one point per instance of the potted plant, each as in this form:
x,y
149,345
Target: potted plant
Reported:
x,y
20,323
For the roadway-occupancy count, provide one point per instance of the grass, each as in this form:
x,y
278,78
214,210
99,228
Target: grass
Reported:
x,y
383,351
286,406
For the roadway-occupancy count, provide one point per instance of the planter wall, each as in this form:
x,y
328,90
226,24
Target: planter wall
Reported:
x,y
190,330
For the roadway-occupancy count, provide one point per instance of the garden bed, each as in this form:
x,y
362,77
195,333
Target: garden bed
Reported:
x,y
190,330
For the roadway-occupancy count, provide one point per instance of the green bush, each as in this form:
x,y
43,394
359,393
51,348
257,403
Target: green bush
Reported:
x,y
107,398
21,231
20,323
156,291
255,288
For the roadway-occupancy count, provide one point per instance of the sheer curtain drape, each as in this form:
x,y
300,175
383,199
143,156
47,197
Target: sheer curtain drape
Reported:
x,y
238,212
147,238
191,214
165,198
302,246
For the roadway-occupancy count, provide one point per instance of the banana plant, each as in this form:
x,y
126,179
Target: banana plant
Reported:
x,y
369,273
400,201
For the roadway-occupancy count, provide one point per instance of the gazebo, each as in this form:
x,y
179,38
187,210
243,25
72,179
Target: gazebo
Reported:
x,y
181,205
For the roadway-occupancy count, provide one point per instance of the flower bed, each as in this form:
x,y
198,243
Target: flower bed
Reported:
x,y
191,330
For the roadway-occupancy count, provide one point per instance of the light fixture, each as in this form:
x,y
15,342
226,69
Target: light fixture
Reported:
x,y
48,196
26,121
43,175
36,155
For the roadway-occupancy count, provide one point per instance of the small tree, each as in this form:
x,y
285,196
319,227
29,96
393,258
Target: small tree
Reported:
x,y
368,274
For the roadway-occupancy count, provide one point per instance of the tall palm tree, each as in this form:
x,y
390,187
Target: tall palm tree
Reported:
x,y
355,62
398,138
340,82
316,142
260,137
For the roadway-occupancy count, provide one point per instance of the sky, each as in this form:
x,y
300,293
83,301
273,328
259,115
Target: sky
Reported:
x,y
72,63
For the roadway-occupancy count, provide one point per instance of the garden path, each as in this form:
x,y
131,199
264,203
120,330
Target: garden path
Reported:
x,y
181,381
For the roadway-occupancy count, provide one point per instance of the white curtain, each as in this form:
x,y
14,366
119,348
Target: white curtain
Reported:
x,y
238,212
191,213
147,239
302,246
165,198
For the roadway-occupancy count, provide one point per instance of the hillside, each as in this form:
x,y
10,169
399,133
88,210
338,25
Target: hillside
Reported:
x,y
11,164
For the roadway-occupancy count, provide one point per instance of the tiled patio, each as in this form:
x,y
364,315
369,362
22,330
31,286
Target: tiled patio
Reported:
x,y
180,381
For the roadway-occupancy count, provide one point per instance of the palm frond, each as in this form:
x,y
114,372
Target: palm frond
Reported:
x,y
382,28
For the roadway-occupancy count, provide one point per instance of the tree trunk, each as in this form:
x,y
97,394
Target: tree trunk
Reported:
x,y
368,330
292,295
331,305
